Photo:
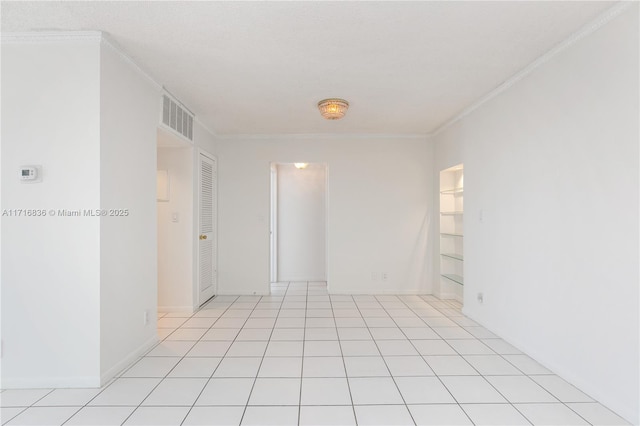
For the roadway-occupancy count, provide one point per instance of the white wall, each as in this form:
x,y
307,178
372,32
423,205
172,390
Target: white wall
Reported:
x,y
553,165
175,250
380,193
129,115
302,226
51,265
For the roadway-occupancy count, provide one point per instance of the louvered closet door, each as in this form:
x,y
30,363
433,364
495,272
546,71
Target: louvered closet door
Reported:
x,y
207,242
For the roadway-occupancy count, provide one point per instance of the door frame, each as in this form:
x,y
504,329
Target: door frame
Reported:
x,y
196,227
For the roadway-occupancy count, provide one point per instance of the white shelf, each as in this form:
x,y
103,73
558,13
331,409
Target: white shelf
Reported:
x,y
455,278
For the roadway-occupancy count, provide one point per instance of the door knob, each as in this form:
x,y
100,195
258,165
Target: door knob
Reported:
x,y
203,237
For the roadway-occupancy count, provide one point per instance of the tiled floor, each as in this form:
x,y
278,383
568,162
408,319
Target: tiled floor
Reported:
x,y
303,357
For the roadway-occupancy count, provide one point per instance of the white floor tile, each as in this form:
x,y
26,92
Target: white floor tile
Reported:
x,y
450,365
167,322
157,416
366,366
423,390
226,392
244,349
354,333
380,322
468,389
492,365
260,323
408,366
323,366
562,390
327,415
67,397
195,367
287,334
229,323
323,333
520,389
480,333
224,334
494,414
550,414
270,416
254,334
292,313
409,322
290,322
433,347
199,322
439,415
322,348
281,367
212,348
419,333
470,347
171,348
187,334
501,347
359,348
350,323
377,390
7,413
21,397
44,416
396,347
597,414
319,322
275,391
176,392
214,416
456,332
325,391
150,366
100,416
126,391
238,367
526,364
383,415
288,349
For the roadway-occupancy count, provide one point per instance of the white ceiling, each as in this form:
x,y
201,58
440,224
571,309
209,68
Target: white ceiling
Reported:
x,y
261,67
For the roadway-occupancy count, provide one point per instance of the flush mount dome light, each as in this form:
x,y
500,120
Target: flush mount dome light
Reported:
x,y
333,109
301,165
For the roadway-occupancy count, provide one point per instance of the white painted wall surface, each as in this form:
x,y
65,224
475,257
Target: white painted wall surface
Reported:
x,y
51,265
380,195
553,164
175,251
129,116
302,225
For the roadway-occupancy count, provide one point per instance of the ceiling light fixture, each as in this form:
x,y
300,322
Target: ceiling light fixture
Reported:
x,y
333,109
301,165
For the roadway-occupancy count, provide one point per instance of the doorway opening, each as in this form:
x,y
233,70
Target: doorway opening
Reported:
x,y
298,222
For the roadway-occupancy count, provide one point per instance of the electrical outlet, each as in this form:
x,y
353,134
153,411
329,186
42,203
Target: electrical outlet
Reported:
x,y
385,276
480,298
145,318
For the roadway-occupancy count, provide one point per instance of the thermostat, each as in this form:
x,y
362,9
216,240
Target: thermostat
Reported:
x,y
30,174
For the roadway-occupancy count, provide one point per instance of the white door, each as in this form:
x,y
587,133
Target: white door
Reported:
x,y
207,235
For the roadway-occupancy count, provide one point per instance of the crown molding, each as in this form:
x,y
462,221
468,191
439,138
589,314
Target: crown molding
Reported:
x,y
51,36
583,32
305,136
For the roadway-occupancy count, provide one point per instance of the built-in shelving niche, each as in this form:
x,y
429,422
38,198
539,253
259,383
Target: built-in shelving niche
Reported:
x,y
452,233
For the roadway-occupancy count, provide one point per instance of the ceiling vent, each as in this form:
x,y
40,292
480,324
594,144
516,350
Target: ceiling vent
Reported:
x,y
176,117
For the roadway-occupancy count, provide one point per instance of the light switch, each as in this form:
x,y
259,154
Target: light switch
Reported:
x,y
175,217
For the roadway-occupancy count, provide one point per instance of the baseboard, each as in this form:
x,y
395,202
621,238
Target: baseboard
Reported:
x,y
128,360
186,309
50,382
299,279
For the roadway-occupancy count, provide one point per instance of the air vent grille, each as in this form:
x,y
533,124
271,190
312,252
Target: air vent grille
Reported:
x,y
176,117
